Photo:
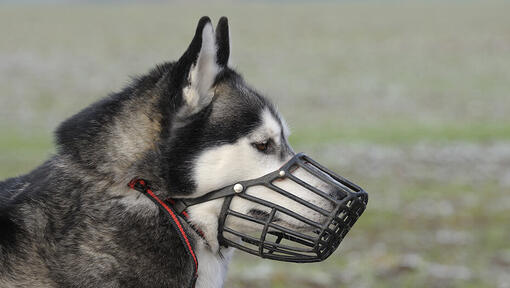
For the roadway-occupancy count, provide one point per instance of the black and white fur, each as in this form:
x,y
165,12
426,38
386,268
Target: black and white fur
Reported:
x,y
189,127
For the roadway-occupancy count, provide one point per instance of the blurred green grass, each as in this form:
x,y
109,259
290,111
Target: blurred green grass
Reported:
x,y
389,133
408,99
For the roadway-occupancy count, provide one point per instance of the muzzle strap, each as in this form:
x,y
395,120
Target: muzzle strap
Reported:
x,y
143,187
182,204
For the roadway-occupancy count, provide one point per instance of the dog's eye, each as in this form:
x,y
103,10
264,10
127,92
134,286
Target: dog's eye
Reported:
x,y
262,146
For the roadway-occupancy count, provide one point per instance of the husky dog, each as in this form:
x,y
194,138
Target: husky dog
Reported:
x,y
189,127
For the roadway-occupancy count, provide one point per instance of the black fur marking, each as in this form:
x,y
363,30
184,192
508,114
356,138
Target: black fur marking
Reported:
x,y
223,42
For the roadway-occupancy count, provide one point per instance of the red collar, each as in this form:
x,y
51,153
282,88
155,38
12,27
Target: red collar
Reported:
x,y
185,215
142,186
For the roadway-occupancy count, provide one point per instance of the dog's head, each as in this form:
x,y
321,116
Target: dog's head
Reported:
x,y
193,126
224,132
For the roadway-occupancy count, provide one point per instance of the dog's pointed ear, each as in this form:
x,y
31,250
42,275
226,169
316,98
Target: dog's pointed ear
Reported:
x,y
196,70
223,42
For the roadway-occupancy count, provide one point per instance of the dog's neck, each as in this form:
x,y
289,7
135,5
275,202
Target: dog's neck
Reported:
x,y
130,123
213,259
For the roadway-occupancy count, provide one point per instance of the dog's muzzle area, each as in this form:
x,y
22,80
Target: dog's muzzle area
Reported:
x,y
310,211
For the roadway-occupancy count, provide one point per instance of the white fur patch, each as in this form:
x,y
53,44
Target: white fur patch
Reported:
x,y
270,127
211,268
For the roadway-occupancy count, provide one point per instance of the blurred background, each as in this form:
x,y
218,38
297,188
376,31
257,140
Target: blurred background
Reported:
x,y
409,99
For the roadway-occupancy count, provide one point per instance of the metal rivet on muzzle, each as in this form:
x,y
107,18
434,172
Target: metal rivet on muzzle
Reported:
x,y
282,173
238,188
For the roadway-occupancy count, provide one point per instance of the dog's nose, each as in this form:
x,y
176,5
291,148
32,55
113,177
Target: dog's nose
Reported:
x,y
338,194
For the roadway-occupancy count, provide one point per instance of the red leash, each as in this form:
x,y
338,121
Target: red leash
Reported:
x,y
142,186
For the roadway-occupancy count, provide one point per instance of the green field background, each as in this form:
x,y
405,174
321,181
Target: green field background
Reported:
x,y
410,99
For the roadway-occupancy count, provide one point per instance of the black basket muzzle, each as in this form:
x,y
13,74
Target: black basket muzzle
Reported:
x,y
308,234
